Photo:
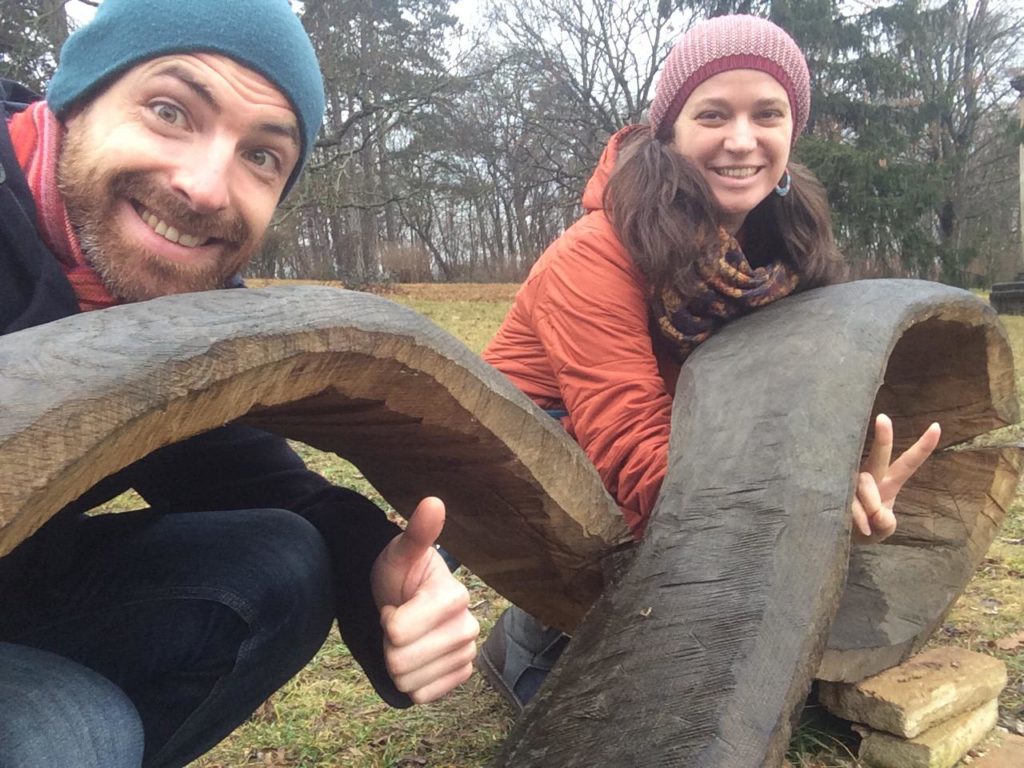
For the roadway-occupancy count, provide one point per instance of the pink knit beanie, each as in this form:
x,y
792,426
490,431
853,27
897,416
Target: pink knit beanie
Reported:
x,y
724,43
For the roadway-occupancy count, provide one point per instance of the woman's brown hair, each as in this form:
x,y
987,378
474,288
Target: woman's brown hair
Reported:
x,y
662,210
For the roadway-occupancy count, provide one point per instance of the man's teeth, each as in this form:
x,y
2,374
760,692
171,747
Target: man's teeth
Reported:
x,y
736,173
170,233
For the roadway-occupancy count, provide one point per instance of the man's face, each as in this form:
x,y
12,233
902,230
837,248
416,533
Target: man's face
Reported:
x,y
172,173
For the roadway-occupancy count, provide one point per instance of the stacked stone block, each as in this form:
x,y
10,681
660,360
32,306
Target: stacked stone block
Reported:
x,y
925,713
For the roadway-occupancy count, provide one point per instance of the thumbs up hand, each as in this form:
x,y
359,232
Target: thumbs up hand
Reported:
x,y
429,633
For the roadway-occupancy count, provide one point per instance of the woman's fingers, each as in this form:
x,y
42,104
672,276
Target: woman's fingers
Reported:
x,y
861,526
881,448
880,482
873,520
910,461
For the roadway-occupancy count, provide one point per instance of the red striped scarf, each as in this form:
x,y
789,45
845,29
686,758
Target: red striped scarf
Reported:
x,y
37,135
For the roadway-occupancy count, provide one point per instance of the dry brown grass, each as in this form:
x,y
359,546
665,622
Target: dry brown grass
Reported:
x,y
486,292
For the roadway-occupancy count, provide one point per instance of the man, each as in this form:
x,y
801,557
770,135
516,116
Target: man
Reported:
x,y
169,134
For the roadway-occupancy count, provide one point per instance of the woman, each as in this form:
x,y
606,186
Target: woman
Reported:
x,y
690,221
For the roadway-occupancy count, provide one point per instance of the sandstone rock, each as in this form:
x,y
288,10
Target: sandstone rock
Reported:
x,y
920,693
938,747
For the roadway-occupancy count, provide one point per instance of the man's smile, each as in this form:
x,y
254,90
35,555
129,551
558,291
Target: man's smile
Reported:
x,y
168,231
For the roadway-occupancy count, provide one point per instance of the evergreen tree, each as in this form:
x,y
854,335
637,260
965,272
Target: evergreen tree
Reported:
x,y
31,34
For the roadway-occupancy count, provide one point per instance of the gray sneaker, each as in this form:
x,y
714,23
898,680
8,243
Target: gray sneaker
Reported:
x,y
518,654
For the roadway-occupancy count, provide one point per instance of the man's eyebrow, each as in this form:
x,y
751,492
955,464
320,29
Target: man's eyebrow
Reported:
x,y
288,130
197,87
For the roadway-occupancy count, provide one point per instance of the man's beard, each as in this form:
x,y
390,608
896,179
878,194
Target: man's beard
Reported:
x,y
131,273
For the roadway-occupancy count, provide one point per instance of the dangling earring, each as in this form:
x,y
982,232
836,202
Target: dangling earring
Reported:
x,y
784,184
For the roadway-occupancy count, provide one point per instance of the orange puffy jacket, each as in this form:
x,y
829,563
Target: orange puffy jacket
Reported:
x,y
577,337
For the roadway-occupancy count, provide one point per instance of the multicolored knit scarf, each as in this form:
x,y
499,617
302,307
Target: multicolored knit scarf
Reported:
x,y
729,287
36,135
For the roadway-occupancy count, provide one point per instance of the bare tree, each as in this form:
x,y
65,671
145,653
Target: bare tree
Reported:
x,y
595,65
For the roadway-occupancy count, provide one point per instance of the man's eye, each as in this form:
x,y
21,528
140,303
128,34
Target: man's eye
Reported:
x,y
169,113
263,159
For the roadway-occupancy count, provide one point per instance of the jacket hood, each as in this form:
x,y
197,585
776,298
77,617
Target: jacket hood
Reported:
x,y
593,193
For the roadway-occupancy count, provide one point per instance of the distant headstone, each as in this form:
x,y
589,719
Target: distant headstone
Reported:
x,y
1008,298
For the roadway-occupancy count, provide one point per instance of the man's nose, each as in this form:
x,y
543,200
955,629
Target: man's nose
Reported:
x,y
202,176
741,135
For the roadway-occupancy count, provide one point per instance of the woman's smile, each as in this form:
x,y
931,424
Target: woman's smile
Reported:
x,y
737,127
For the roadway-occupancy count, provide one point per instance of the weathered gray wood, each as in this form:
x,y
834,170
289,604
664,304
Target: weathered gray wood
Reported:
x,y
704,649
347,372
703,652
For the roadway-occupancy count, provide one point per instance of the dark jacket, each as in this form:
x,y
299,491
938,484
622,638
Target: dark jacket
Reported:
x,y
233,467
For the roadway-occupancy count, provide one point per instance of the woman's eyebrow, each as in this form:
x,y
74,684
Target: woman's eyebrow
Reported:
x,y
711,101
773,101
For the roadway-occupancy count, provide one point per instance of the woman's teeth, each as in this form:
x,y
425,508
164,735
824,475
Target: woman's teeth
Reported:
x,y
736,173
170,233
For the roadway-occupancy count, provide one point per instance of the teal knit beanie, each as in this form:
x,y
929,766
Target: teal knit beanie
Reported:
x,y
264,35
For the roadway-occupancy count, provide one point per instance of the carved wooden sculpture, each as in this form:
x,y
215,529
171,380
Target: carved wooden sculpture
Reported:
x,y
700,653
347,372
704,650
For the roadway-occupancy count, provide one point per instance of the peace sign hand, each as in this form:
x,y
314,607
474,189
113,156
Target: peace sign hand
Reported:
x,y
879,481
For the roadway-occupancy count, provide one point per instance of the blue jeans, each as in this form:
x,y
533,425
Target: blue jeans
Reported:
x,y
196,617
57,712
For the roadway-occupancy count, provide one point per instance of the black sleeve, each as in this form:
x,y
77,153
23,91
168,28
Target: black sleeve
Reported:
x,y
237,467
33,288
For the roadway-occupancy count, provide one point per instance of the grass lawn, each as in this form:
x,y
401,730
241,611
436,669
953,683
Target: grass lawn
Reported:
x,y
329,715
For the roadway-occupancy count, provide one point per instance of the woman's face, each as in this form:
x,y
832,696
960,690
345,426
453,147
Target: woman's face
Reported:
x,y
736,127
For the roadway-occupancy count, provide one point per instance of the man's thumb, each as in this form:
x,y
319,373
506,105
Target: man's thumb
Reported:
x,y
423,528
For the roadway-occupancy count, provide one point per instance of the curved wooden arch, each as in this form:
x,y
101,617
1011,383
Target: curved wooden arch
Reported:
x,y
704,650
346,372
731,596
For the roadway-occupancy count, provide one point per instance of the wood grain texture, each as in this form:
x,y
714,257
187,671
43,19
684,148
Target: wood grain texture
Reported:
x,y
346,372
703,652
704,647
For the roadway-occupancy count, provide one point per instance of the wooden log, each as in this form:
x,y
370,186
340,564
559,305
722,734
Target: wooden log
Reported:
x,y
703,652
346,372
